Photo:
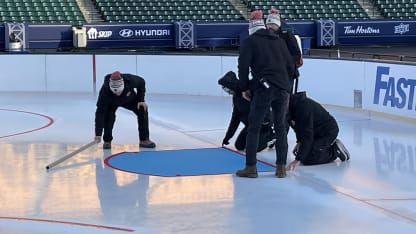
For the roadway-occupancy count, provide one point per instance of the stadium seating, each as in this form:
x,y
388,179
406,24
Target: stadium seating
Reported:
x,y
167,10
41,11
397,9
141,11
310,9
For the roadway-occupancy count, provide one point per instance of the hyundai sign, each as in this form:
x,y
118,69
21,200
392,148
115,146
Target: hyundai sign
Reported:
x,y
127,35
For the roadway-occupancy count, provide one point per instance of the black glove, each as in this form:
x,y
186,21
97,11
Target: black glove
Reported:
x,y
296,75
225,141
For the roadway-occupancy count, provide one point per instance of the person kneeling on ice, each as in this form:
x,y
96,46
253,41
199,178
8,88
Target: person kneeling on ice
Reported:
x,y
127,91
316,133
241,108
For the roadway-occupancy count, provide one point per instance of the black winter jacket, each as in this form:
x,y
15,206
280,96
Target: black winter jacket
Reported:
x,y
241,109
294,50
266,54
312,121
134,92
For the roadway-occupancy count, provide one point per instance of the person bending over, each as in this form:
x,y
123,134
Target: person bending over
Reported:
x,y
241,109
127,91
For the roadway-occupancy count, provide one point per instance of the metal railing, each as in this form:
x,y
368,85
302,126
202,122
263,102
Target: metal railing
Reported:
x,y
343,54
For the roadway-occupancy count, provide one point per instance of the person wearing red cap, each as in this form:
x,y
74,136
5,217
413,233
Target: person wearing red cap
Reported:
x,y
127,91
265,54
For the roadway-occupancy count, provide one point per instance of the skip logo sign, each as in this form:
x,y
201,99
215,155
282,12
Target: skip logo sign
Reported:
x,y
393,91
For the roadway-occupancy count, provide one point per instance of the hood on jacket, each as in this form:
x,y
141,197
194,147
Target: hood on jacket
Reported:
x,y
295,99
230,81
267,33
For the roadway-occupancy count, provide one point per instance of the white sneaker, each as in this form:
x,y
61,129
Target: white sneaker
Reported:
x,y
341,151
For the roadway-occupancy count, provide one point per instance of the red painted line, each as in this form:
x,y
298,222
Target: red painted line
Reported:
x,y
183,132
108,158
360,199
50,122
241,154
314,181
379,207
388,199
70,223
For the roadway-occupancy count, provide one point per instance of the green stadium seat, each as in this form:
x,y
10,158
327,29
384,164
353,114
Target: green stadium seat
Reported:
x,y
172,10
35,11
310,8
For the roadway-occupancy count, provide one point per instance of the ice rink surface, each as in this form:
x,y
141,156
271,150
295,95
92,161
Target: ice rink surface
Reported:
x,y
374,192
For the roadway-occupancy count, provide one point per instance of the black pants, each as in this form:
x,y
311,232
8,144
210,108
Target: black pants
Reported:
x,y
142,121
262,100
322,148
266,135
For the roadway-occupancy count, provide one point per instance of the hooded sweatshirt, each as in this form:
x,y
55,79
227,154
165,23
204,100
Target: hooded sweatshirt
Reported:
x,y
267,56
312,121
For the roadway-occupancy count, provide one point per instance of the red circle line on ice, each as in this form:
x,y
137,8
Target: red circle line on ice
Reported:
x,y
69,223
49,122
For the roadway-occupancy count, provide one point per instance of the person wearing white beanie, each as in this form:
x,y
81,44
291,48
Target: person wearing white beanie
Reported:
x,y
274,17
273,23
256,22
266,56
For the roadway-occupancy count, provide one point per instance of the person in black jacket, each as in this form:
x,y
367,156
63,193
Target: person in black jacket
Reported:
x,y
267,56
241,108
127,91
316,133
273,23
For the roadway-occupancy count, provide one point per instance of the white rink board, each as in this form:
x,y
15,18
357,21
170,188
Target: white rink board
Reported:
x,y
328,81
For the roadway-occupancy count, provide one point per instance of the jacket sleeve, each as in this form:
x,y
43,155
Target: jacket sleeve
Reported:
x,y
293,47
233,126
305,134
244,60
139,84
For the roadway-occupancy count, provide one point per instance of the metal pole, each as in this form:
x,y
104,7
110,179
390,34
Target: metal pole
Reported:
x,y
84,147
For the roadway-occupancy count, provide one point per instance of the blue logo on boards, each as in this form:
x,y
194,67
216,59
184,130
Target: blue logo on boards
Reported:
x,y
395,92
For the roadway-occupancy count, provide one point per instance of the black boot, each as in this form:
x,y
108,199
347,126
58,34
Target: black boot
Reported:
x,y
147,144
107,145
